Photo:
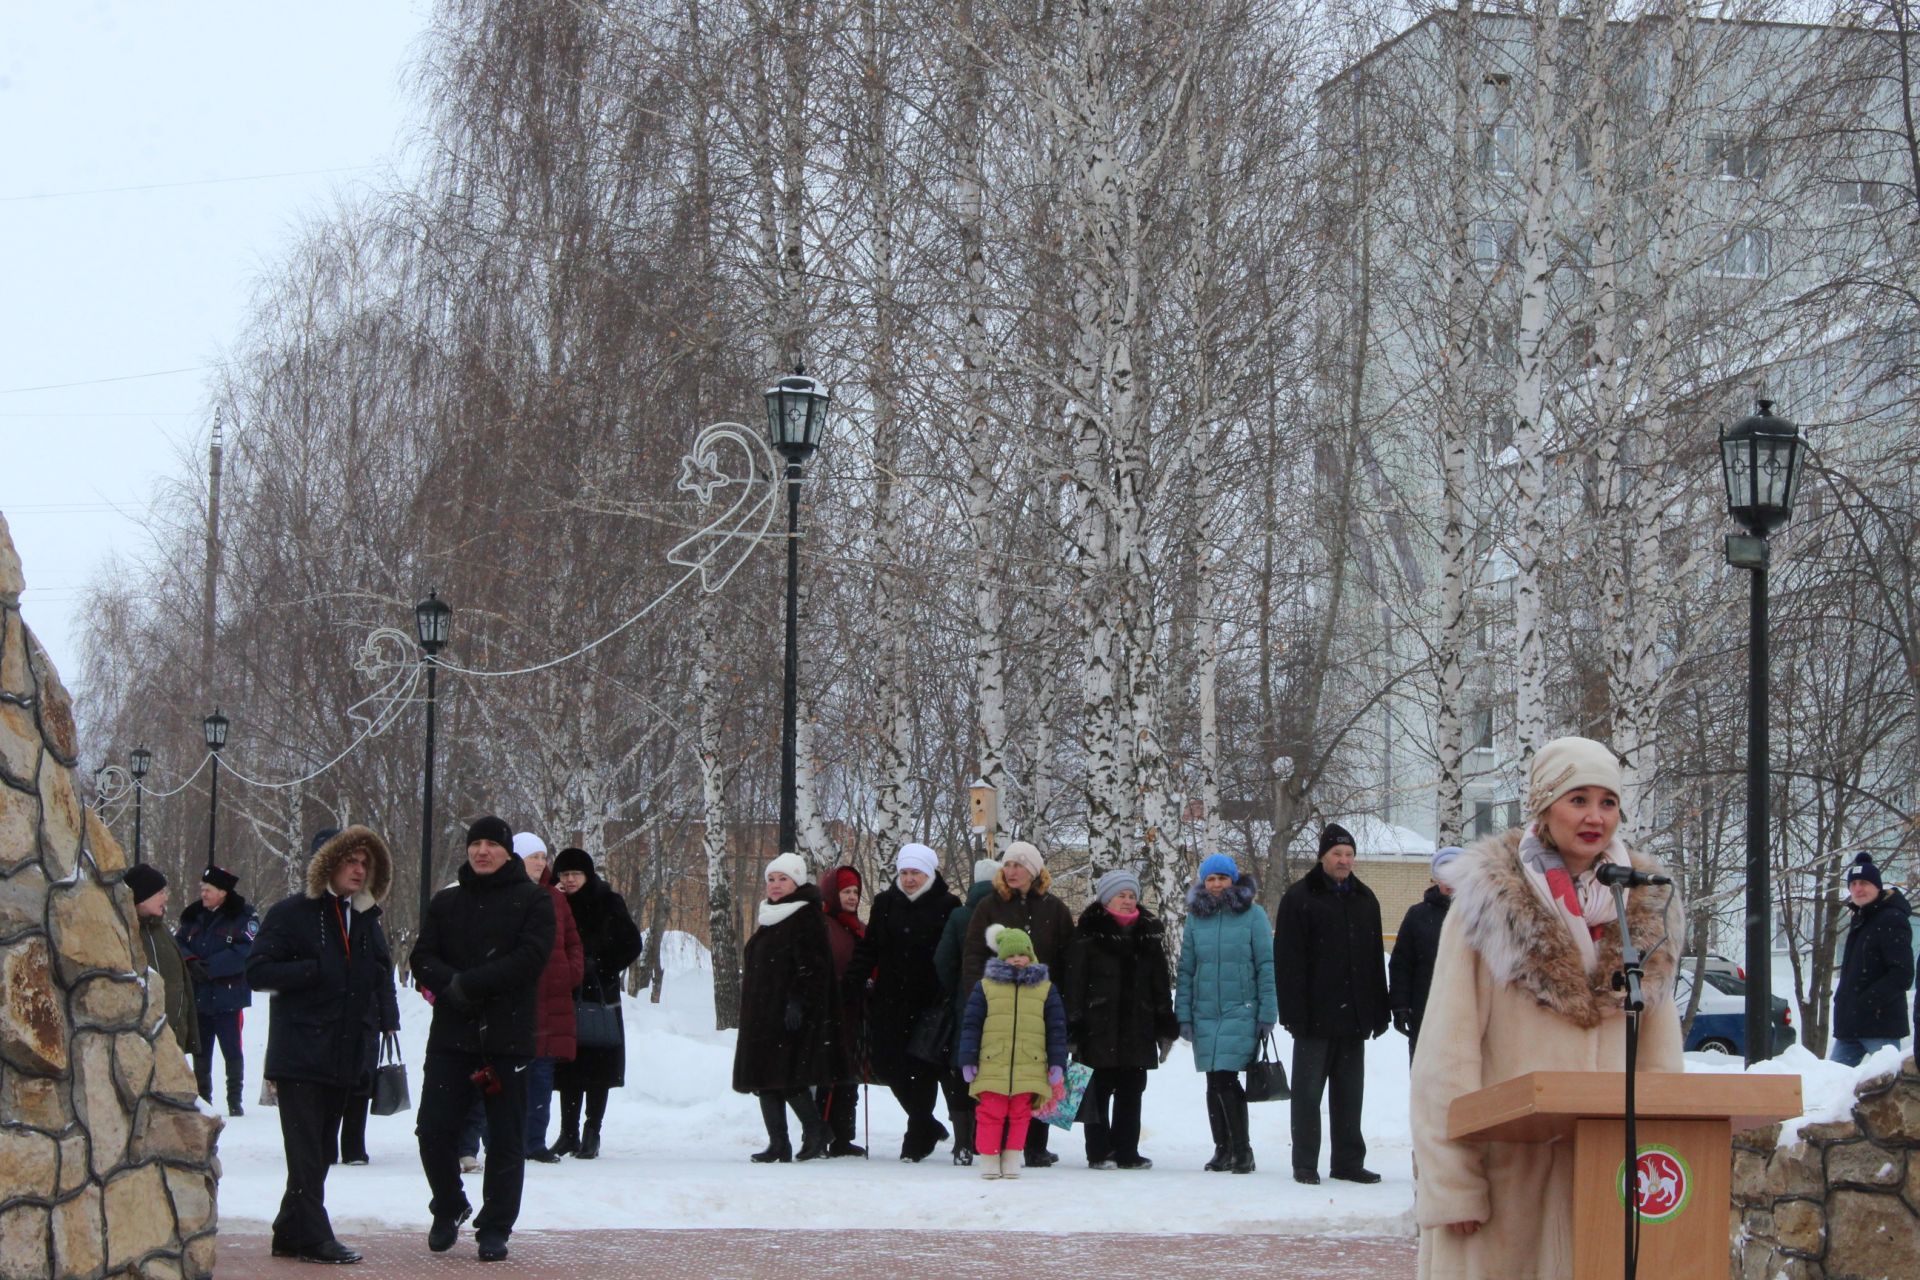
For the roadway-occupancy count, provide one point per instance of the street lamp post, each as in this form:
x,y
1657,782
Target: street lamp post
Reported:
x,y
138,762
214,728
1761,457
796,419
432,622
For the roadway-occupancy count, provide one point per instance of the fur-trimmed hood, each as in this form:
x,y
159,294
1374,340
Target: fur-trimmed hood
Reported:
x,y
1237,899
326,860
1032,975
1041,883
1525,945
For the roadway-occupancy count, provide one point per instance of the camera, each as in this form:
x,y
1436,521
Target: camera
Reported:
x,y
487,1080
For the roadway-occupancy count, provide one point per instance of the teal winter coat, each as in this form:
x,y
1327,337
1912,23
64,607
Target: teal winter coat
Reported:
x,y
1225,988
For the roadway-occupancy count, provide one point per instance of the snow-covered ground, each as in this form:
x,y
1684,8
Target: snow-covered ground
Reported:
x,y
676,1141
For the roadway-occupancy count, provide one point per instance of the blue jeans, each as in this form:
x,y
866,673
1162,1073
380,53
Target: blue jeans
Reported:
x,y
539,1102
1851,1053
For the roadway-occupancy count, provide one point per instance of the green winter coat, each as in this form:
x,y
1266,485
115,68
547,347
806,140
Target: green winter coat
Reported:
x,y
1012,1047
163,957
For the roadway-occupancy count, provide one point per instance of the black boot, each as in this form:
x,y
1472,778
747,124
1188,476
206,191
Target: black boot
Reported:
x,y
589,1142
773,1111
1222,1160
569,1139
814,1134
1236,1109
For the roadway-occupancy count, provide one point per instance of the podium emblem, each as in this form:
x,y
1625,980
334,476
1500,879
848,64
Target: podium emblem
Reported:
x,y
1663,1183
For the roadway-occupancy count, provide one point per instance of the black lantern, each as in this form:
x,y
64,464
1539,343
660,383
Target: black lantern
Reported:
x,y
1761,456
215,729
797,415
433,622
139,761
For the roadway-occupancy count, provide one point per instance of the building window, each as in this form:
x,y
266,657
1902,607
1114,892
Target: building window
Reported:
x,y
1493,242
1480,729
1736,158
1747,256
1860,193
1494,343
1496,93
1582,150
1482,818
1513,815
1494,148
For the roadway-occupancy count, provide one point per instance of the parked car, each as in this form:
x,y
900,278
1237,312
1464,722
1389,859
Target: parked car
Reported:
x,y
1717,963
1720,1024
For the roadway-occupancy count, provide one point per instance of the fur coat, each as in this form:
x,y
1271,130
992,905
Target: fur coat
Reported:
x,y
1510,996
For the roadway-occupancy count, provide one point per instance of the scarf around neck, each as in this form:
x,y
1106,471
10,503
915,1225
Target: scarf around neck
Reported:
x,y
775,912
1580,902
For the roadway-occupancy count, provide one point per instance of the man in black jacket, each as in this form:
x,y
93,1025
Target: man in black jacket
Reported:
x,y
479,955
1415,948
1870,1002
1329,966
325,958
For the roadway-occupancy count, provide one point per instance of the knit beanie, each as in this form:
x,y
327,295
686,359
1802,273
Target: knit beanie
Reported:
x,y
571,859
491,828
220,878
1008,943
1443,855
1020,853
1567,764
1332,836
917,857
1863,869
144,880
1110,885
983,870
1219,864
791,865
525,842
320,838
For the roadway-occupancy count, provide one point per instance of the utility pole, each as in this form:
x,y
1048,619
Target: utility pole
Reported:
x,y
208,597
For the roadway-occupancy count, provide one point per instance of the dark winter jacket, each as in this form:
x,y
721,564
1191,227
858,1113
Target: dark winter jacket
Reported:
x,y
1225,989
788,966
220,939
1875,971
1044,917
609,944
163,956
333,992
1330,959
566,966
480,952
844,931
1013,1038
948,956
902,935
1410,972
1120,1003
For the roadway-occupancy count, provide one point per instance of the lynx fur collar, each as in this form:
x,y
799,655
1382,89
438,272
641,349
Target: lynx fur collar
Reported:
x,y
1524,946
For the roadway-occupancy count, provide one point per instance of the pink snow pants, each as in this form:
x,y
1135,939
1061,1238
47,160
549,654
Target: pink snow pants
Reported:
x,y
995,1109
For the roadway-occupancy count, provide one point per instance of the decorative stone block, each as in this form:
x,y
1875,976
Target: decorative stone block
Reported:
x,y
1764,1139
132,1066
19,825
1828,1132
60,819
96,1098
54,705
88,933
79,1234
139,1215
23,895
19,744
40,1101
192,1199
1800,1227
33,1027
1866,1164
172,1077
160,1269
200,1257
12,581
73,1161
1750,1179
1871,1235
31,1161
1893,1116
109,1004
1796,1171
14,678
1912,1192
108,857
23,1243
173,1133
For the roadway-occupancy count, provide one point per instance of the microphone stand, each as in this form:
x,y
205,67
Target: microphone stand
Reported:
x,y
1627,979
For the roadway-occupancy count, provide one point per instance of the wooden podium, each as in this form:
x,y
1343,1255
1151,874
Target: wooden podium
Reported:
x,y
1685,1170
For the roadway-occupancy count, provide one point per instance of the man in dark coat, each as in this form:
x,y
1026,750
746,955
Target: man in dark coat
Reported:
x,y
325,958
609,944
1020,901
1329,966
1415,948
215,935
1870,1002
903,931
961,1108
480,954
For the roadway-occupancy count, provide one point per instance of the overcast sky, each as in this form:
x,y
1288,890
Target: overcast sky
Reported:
x,y
155,157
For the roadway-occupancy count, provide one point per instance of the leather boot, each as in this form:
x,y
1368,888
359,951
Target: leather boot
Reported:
x,y
569,1139
815,1137
1236,1109
589,1142
773,1111
1216,1118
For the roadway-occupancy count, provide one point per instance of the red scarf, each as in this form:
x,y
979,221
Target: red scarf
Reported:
x,y
848,920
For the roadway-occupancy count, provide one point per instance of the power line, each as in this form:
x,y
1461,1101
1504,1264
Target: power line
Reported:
x,y
94,382
191,182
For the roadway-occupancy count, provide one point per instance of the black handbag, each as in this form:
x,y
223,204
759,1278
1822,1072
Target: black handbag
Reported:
x,y
1266,1078
931,1040
596,1020
390,1094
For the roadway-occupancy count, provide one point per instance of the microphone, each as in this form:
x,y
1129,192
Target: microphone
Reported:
x,y
1611,873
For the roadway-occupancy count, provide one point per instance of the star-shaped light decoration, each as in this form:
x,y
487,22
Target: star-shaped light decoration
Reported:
x,y
700,475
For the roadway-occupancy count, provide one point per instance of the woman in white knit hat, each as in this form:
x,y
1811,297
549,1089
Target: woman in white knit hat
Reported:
x,y
1523,982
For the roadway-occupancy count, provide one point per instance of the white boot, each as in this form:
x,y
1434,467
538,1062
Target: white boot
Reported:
x,y
989,1165
1010,1161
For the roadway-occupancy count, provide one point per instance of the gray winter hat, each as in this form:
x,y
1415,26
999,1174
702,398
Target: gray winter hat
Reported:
x,y
1110,885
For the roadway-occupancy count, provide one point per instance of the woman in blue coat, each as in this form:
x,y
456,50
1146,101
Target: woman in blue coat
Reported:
x,y
1225,998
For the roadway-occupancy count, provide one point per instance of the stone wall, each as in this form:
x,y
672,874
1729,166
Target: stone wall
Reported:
x,y
1842,1200
107,1166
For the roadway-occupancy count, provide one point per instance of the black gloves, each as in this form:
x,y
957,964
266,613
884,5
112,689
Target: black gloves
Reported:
x,y
1403,1022
796,1013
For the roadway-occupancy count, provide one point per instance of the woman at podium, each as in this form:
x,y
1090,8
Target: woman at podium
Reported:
x,y
1523,982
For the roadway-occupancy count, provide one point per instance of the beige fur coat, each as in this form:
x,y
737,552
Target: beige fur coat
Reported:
x,y
1510,996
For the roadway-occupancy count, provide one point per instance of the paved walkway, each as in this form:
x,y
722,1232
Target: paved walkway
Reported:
x,y
849,1255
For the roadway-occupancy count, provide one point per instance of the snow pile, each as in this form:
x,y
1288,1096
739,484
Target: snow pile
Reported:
x,y
1826,1088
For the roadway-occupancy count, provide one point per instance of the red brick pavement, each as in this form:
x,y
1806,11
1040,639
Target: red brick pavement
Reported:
x,y
848,1255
